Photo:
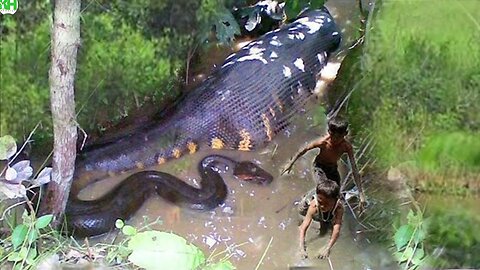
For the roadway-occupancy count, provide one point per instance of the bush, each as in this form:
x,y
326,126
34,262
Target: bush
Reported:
x,y
118,68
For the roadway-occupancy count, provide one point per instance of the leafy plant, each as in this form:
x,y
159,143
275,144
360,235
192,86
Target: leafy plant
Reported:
x,y
212,13
20,248
169,250
13,177
409,241
294,7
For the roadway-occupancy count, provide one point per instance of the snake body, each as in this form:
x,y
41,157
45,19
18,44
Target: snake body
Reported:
x,y
241,106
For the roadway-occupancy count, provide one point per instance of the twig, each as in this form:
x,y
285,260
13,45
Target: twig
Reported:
x,y
274,150
264,253
189,58
330,263
85,136
355,216
24,144
89,97
10,207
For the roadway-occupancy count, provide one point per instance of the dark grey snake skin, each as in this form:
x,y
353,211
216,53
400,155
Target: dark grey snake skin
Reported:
x,y
242,105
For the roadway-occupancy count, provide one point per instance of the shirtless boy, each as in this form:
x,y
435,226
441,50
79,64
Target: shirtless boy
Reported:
x,y
325,207
332,147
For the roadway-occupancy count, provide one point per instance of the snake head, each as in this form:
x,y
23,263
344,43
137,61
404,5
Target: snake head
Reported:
x,y
249,171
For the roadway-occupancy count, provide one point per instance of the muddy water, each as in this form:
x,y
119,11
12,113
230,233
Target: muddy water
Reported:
x,y
259,219
258,225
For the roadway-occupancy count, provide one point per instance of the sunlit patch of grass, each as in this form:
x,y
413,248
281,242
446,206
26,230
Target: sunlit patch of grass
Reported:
x,y
451,151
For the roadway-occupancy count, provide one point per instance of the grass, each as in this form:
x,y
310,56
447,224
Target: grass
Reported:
x,y
420,75
416,95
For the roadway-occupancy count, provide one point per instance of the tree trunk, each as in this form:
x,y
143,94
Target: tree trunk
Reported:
x,y
65,42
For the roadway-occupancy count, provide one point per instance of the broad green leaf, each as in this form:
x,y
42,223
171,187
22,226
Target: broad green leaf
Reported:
x,y
8,147
23,252
418,256
18,235
152,248
398,256
129,230
32,236
226,27
43,221
402,236
407,253
14,257
32,255
420,234
414,219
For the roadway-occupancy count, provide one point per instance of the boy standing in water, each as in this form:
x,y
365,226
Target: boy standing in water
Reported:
x,y
325,207
332,147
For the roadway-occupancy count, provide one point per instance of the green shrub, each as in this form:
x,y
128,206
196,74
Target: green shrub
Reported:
x,y
118,68
24,85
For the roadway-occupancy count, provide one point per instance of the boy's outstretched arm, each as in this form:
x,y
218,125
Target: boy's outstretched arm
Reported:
x,y
356,178
299,154
337,225
303,230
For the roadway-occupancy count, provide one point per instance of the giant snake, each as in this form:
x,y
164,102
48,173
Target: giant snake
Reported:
x,y
242,105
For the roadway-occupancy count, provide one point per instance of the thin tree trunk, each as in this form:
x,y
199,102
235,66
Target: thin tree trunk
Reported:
x,y
65,42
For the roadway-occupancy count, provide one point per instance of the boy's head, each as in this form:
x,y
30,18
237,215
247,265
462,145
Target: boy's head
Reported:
x,y
328,193
328,188
338,127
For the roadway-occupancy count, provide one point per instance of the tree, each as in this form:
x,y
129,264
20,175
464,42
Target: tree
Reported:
x,y
65,40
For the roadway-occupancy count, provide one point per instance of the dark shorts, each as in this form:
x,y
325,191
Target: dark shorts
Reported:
x,y
330,171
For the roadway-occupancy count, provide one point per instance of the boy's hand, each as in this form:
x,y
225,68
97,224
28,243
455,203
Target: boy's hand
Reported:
x,y
324,253
303,254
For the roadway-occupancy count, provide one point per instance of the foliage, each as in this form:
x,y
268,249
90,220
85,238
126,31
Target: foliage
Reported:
x,y
409,241
169,250
13,177
129,68
213,13
294,7
415,95
453,236
24,76
21,247
129,56
450,150
418,82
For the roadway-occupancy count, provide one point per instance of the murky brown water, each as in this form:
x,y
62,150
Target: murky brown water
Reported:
x,y
261,221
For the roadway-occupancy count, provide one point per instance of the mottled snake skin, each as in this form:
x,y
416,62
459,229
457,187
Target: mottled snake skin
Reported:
x,y
242,105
